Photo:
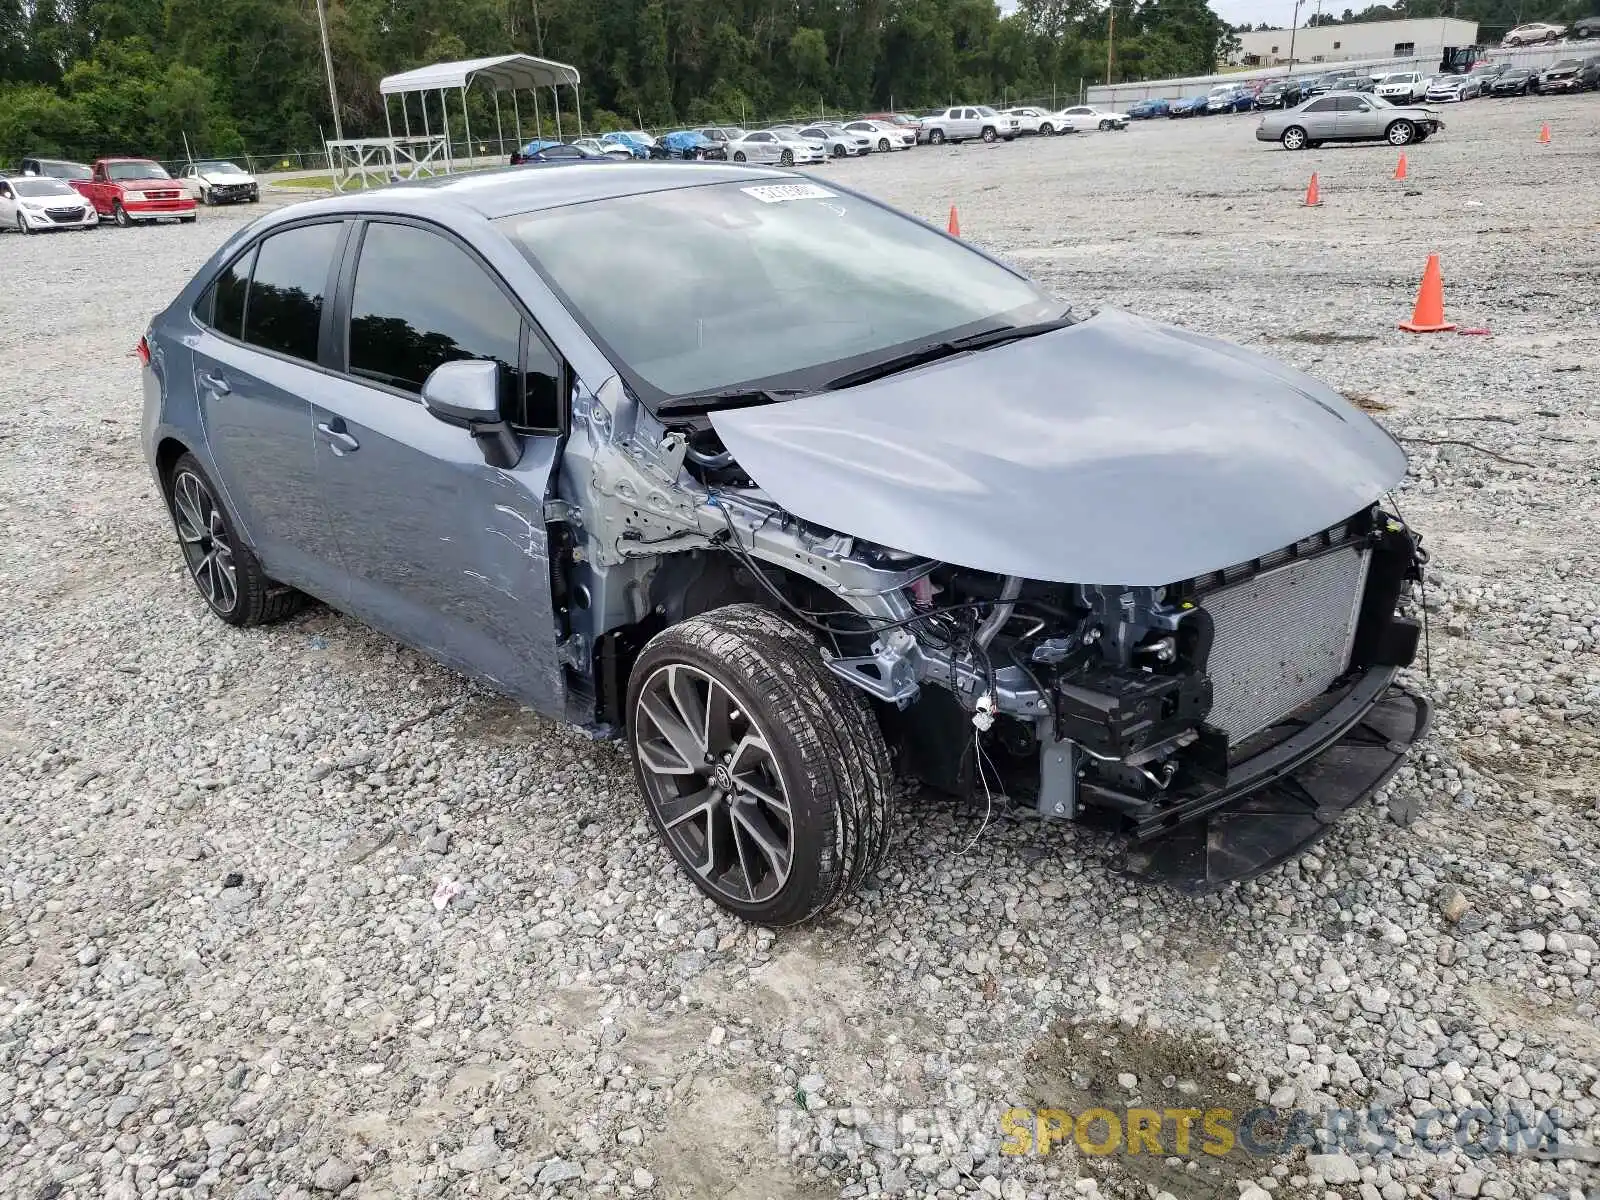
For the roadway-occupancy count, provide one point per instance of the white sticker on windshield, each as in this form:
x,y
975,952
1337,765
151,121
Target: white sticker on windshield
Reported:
x,y
776,193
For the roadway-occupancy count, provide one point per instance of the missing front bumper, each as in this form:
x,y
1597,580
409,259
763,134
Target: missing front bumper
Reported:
x,y
1290,804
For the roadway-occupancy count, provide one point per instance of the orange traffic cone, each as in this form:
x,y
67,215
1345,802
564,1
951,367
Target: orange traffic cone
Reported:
x,y
1428,316
1313,197
955,225
1400,167
1544,134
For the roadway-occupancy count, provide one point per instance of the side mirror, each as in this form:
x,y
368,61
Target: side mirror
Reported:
x,y
467,392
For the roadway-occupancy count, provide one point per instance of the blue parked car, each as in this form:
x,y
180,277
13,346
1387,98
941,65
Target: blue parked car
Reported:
x,y
1143,110
1189,106
636,143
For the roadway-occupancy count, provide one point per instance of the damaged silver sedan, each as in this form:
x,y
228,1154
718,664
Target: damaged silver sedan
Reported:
x,y
795,493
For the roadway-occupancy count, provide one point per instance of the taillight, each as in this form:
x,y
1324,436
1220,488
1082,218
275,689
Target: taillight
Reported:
x,y
143,351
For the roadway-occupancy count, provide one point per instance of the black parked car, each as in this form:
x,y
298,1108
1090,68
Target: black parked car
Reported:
x,y
1280,93
1589,73
1518,81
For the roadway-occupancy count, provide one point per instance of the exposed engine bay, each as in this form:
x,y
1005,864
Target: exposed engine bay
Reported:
x,y
1145,705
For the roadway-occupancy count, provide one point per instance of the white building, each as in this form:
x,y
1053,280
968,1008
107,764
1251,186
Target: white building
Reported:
x,y
1363,40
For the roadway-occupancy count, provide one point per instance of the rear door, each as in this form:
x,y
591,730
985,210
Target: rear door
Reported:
x,y
256,362
440,549
1320,119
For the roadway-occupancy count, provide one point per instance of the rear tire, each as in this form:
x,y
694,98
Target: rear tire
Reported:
x,y
742,685
224,569
738,156
1294,138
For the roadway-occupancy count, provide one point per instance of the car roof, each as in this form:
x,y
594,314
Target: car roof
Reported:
x,y
505,191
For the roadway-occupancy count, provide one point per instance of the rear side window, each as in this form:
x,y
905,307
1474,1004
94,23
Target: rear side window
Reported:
x,y
228,295
420,300
284,309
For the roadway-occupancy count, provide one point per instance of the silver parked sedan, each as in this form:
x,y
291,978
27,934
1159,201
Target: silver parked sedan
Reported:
x,y
1348,117
781,146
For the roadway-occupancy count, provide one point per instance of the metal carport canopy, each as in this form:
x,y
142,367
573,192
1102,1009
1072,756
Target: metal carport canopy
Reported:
x,y
505,72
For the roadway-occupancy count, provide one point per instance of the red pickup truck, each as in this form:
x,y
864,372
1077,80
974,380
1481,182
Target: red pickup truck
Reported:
x,y
135,189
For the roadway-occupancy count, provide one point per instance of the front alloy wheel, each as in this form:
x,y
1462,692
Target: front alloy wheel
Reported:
x,y
765,774
1401,133
936,137
883,145
22,225
989,134
786,159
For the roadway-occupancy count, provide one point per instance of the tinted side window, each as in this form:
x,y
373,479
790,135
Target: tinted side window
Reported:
x,y
419,301
284,312
228,293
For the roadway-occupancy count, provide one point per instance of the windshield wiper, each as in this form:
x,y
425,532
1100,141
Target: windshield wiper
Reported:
x,y
701,402
934,351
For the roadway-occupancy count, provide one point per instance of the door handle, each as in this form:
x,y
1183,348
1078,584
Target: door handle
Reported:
x,y
214,383
339,441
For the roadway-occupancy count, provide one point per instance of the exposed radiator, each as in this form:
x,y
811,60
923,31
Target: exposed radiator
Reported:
x,y
1282,637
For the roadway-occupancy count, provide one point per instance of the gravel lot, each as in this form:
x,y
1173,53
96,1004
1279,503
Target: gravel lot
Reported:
x,y
224,972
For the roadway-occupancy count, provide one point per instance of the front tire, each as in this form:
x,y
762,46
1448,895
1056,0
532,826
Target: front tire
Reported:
x,y
1293,138
1046,128
883,145
120,214
786,159
936,137
989,135
22,225
838,152
1104,125
224,569
764,773
1400,133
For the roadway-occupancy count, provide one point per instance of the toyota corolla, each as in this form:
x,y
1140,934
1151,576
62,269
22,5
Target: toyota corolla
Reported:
x,y
792,492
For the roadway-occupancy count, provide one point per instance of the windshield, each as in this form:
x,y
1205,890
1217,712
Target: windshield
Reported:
x,y
985,111
65,170
219,168
1397,79
136,170
1566,64
788,284
41,186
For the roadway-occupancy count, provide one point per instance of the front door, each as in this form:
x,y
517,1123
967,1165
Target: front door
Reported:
x,y
254,365
1359,118
441,550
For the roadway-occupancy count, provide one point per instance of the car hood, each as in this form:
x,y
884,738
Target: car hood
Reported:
x,y
1115,450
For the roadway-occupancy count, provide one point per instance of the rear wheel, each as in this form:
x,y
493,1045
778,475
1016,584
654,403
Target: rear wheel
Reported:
x,y
935,137
225,570
764,773
738,156
989,134
786,158
1400,133
1293,138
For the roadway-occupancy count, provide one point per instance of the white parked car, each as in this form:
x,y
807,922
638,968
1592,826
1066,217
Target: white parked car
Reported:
x,y
836,140
217,181
1038,120
609,149
1534,31
32,203
1403,87
781,146
885,136
969,121
1087,116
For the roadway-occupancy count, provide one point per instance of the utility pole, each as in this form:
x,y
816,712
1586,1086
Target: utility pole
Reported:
x,y
1111,36
1294,28
327,61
